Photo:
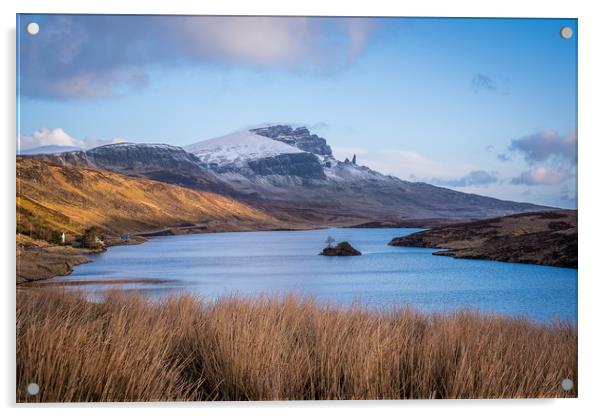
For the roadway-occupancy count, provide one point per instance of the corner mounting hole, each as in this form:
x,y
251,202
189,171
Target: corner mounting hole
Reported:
x,y
33,389
566,384
566,32
33,28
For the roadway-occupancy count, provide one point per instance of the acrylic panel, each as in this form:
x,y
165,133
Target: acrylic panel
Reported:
x,y
295,208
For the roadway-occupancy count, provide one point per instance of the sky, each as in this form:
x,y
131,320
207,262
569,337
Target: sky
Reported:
x,y
486,106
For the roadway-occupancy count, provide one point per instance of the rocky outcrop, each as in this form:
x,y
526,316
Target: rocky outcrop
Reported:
x,y
300,138
547,238
126,156
279,165
165,163
303,165
341,249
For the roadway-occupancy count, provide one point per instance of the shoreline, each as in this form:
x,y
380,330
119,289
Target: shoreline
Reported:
x,y
70,257
74,256
142,237
547,238
108,274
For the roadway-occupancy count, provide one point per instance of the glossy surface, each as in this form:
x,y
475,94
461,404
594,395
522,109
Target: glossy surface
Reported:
x,y
280,262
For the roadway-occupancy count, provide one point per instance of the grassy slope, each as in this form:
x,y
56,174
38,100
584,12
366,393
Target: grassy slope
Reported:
x,y
53,199
548,238
129,349
71,199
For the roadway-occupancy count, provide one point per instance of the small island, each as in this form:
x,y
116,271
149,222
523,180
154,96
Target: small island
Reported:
x,y
341,249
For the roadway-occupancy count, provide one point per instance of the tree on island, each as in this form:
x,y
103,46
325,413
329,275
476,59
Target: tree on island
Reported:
x,y
341,249
329,241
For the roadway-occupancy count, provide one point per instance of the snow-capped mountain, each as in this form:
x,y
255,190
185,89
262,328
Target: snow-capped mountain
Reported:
x,y
238,148
292,174
300,138
292,167
278,150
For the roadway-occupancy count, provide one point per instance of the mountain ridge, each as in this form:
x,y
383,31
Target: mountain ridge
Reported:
x,y
341,187
293,174
162,162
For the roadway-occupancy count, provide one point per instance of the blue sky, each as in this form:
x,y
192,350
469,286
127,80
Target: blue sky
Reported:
x,y
480,105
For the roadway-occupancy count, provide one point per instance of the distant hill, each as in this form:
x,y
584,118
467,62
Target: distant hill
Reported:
x,y
162,162
70,199
48,149
292,174
548,238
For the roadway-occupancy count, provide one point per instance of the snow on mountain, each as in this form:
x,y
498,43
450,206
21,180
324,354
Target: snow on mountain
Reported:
x,y
138,145
278,154
299,137
238,148
48,149
291,167
292,171
349,172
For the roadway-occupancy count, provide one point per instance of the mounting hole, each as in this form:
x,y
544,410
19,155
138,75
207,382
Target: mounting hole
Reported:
x,y
33,28
566,384
566,32
33,389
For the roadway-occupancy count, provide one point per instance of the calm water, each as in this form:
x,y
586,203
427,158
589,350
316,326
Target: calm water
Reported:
x,y
280,262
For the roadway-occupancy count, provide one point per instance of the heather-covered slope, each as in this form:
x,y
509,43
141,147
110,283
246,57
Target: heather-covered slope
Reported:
x,y
548,238
70,199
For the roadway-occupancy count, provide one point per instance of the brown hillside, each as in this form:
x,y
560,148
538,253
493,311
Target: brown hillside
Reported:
x,y
548,238
52,198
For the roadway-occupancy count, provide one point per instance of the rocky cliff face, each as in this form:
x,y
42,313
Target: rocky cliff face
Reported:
x,y
292,168
170,164
302,165
300,138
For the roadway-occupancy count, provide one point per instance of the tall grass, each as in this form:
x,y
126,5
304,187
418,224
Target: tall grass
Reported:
x,y
128,348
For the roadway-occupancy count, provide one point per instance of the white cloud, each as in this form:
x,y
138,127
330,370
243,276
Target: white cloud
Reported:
x,y
474,178
508,184
264,40
546,145
404,164
70,61
59,137
47,137
259,40
542,176
358,31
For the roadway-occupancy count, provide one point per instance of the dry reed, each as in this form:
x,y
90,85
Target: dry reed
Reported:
x,y
128,348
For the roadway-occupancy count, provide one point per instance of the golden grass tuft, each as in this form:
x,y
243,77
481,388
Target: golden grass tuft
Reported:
x,y
128,348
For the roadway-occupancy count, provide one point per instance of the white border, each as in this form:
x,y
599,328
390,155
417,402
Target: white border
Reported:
x,y
590,177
